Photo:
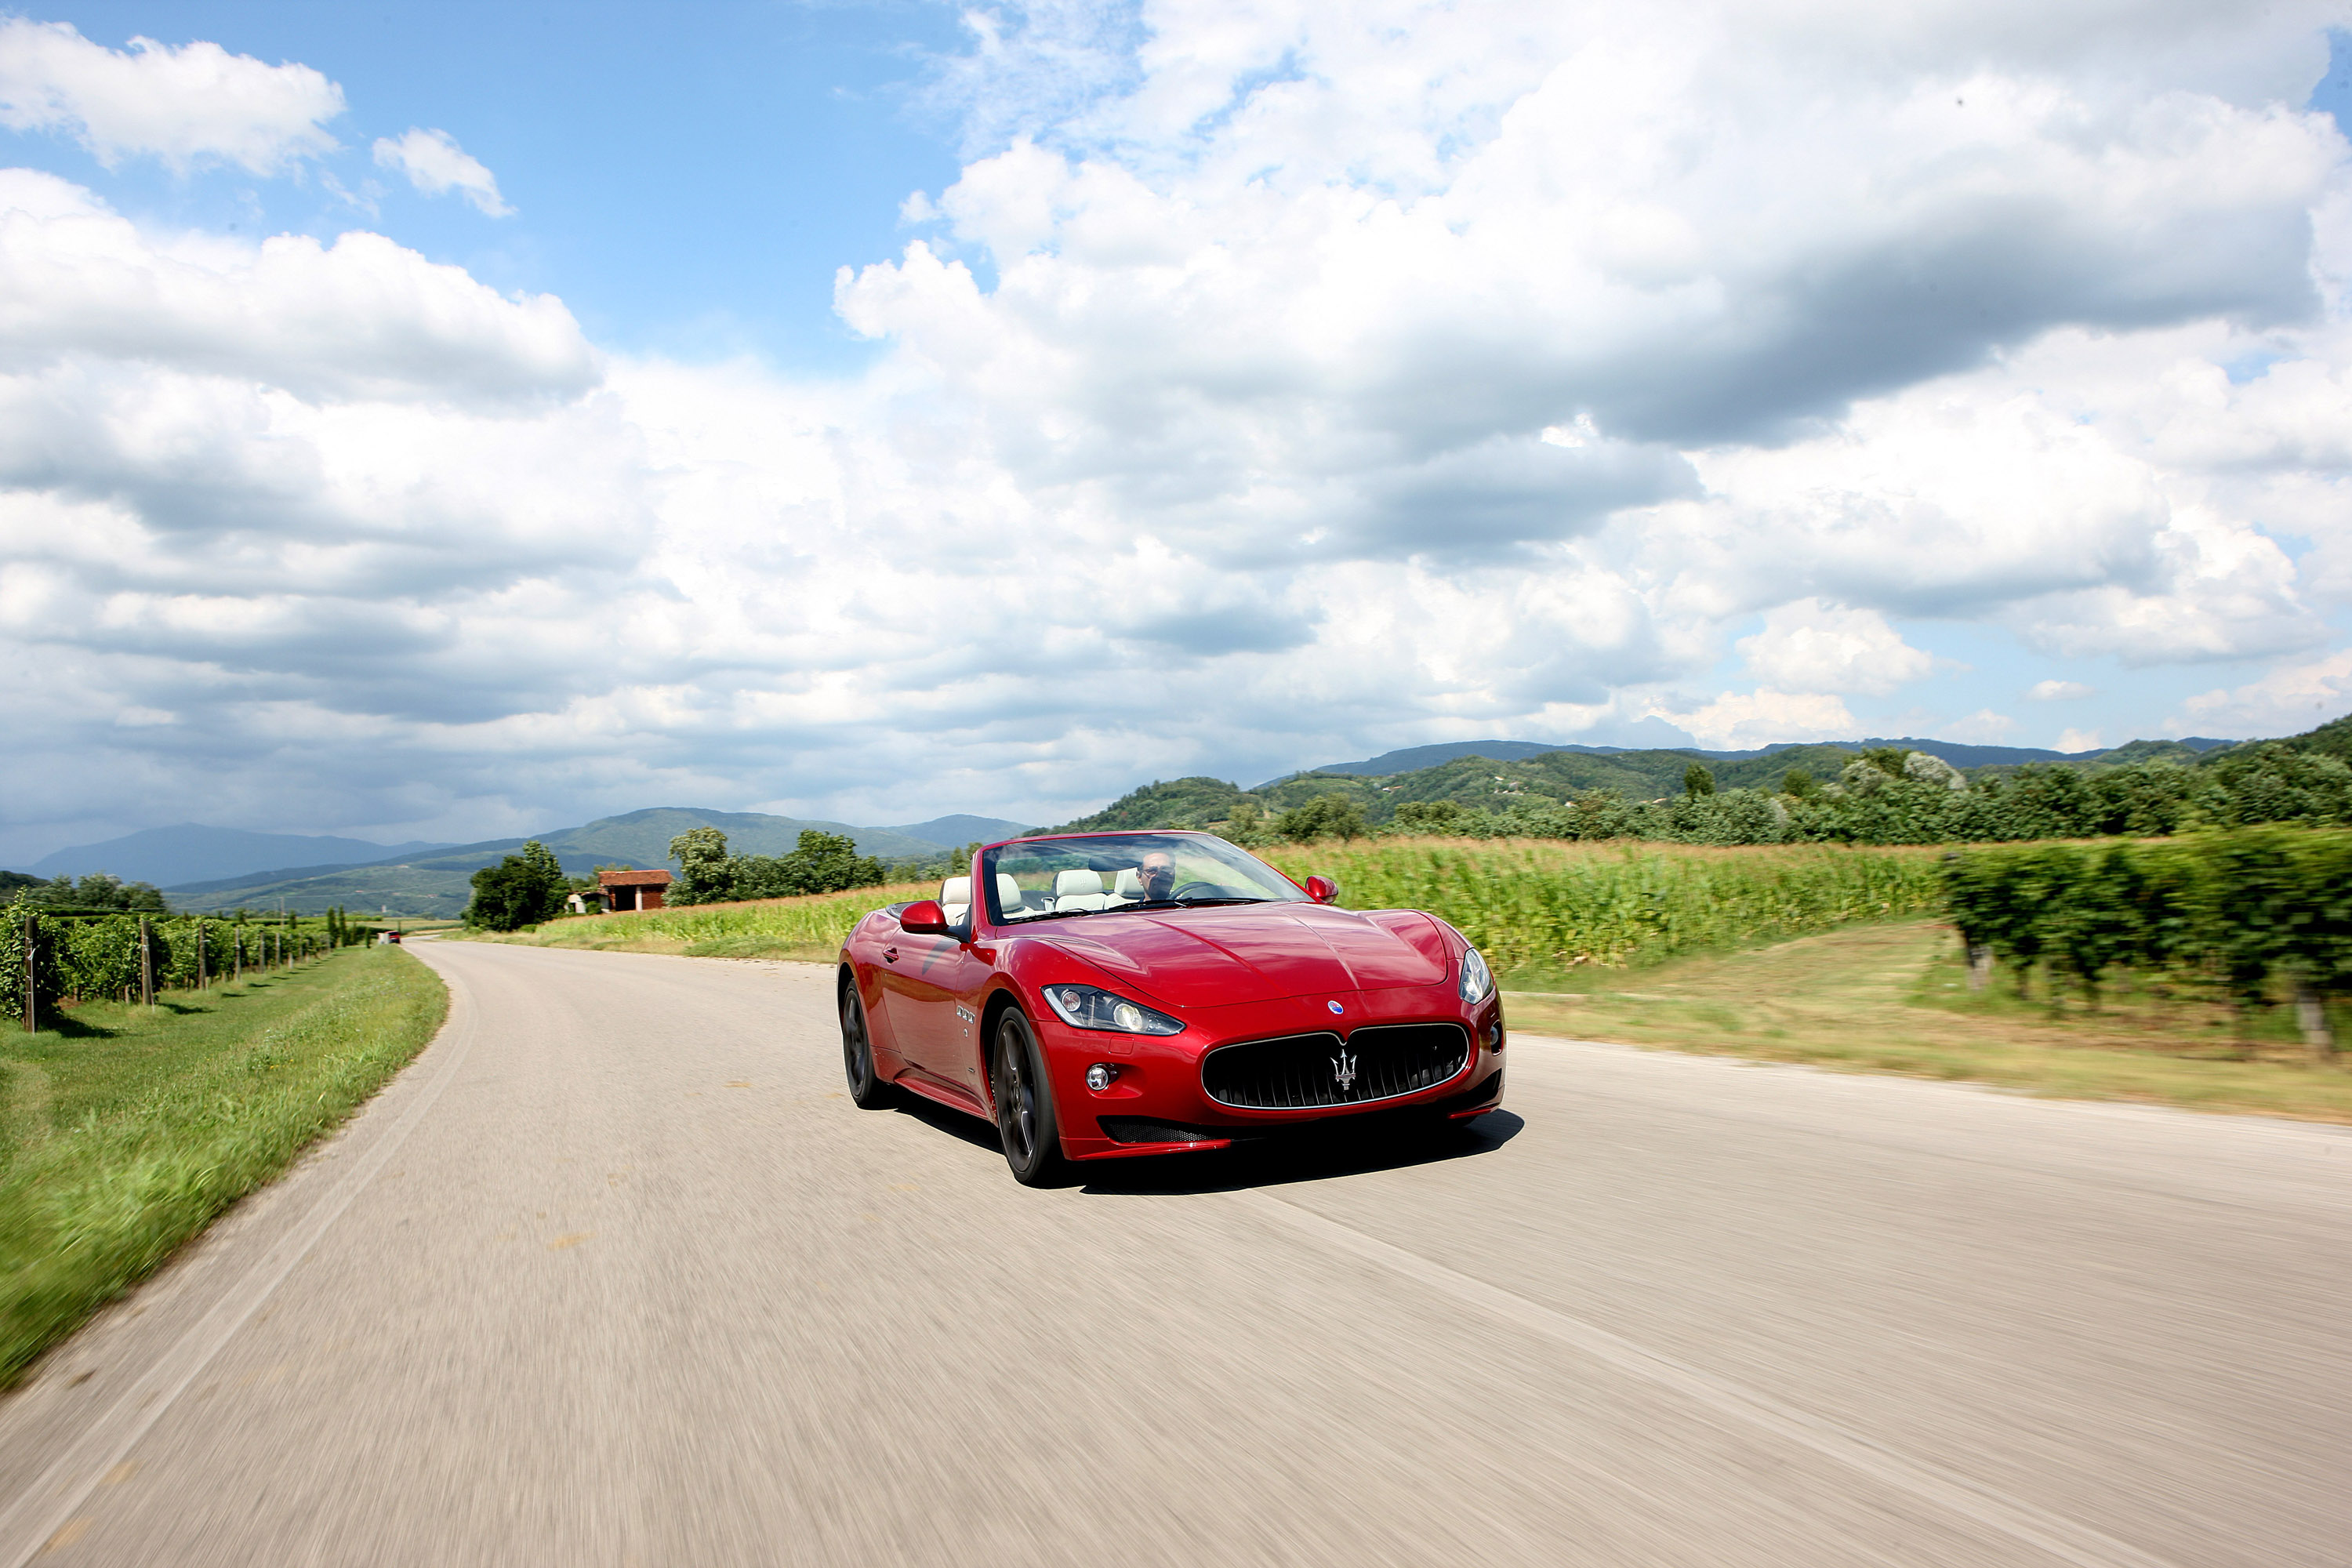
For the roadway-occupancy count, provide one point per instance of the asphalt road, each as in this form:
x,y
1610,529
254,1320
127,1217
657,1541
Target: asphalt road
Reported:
x,y
615,1274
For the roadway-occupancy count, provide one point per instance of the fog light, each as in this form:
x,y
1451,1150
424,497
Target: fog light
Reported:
x,y
1099,1076
1495,1035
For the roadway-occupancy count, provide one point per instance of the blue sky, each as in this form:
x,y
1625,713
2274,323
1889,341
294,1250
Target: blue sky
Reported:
x,y
879,410
687,183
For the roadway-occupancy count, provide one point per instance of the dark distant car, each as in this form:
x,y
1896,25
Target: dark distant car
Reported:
x,y
1118,993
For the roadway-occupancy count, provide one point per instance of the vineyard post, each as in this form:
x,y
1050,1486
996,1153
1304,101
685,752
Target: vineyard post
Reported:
x,y
200,955
146,965
237,952
2311,1016
32,1007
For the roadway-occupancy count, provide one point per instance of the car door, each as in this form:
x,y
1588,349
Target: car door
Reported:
x,y
931,987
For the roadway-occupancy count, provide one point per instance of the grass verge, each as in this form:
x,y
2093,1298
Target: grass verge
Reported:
x,y
124,1130
1891,997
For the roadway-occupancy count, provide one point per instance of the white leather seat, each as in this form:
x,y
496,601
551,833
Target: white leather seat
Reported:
x,y
1008,895
1078,889
1129,885
955,898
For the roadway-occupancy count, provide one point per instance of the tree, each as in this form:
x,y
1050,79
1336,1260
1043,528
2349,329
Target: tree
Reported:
x,y
97,890
830,863
1922,768
1430,816
519,890
1698,781
1325,816
823,863
1799,782
707,874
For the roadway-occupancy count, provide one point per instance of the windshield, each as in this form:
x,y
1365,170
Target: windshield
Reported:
x,y
1057,878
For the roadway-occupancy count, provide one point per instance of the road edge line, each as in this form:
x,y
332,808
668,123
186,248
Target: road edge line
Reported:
x,y
26,1526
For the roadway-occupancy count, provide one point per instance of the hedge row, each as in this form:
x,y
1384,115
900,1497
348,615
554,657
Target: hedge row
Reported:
x,y
1889,796
2252,912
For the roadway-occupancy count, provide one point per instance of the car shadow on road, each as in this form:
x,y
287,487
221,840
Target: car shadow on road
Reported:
x,y
961,1124
1315,1157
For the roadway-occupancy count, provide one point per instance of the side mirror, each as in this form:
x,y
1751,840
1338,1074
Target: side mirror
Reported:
x,y
924,918
1323,890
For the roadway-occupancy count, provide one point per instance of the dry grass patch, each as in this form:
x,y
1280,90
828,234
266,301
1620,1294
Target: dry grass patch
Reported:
x,y
1891,997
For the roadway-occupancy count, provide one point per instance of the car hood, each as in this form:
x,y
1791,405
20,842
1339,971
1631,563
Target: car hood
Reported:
x,y
1256,952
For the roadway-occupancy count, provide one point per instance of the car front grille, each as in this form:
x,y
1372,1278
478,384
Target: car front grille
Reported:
x,y
1378,1061
1141,1130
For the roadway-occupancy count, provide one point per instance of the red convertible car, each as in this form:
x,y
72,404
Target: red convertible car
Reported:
x,y
1103,994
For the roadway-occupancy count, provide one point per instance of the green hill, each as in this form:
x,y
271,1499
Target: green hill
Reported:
x,y
1555,777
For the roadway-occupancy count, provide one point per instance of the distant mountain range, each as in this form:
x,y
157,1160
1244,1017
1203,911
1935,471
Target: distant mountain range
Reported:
x,y
191,852
1412,759
220,867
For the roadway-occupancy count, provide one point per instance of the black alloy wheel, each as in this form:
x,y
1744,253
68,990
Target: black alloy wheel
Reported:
x,y
867,1089
1025,1103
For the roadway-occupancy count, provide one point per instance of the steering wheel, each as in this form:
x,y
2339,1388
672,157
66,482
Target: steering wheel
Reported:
x,y
1206,889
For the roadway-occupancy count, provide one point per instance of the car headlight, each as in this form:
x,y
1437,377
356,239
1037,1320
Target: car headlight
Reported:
x,y
1089,1007
1477,979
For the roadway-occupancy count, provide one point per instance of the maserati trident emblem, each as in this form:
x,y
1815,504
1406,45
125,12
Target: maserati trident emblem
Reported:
x,y
1343,1068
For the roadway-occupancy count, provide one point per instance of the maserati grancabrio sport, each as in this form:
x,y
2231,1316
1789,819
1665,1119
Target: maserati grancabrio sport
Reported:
x,y
1099,995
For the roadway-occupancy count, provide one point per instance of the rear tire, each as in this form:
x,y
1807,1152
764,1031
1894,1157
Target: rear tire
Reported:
x,y
868,1091
1025,1122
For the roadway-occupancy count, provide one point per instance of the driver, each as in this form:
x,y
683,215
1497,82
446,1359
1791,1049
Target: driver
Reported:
x,y
1157,874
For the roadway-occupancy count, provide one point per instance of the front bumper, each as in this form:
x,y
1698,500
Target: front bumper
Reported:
x,y
1156,1104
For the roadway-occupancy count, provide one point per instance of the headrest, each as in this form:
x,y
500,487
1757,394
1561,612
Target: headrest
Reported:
x,y
956,890
1131,883
1076,884
1008,893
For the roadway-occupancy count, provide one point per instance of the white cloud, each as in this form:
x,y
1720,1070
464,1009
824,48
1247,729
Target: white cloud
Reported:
x,y
1270,379
183,105
434,164
2079,740
2058,691
1812,646
1738,720
2289,699
1982,727
81,288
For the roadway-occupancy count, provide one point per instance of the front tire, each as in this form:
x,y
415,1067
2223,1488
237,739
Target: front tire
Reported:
x,y
1025,1122
868,1091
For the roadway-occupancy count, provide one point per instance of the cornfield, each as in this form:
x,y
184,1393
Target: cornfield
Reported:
x,y
1527,904
1555,905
